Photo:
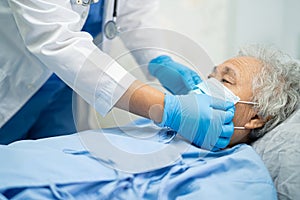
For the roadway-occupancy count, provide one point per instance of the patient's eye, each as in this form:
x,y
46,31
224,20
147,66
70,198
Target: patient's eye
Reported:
x,y
225,81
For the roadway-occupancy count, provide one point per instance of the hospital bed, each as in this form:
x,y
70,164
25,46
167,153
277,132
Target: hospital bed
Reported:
x,y
62,168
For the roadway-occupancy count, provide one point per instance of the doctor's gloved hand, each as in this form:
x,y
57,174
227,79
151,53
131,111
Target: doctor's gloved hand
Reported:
x,y
175,77
203,120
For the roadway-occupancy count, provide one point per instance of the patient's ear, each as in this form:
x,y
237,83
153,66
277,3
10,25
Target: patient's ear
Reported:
x,y
255,122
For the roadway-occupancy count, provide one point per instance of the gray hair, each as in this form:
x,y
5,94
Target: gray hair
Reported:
x,y
276,88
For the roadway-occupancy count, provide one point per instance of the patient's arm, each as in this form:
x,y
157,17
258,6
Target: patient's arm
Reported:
x,y
143,100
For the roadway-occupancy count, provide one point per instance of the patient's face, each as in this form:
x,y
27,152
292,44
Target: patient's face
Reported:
x,y
237,75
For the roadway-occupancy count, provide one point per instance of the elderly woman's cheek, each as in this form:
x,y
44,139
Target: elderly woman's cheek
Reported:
x,y
241,117
242,114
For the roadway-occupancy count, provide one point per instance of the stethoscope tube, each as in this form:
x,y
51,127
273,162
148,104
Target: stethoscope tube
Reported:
x,y
115,9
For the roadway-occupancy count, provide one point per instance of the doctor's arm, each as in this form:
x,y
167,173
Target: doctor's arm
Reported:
x,y
143,100
204,121
51,31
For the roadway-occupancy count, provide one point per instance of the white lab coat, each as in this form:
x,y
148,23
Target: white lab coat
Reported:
x,y
38,37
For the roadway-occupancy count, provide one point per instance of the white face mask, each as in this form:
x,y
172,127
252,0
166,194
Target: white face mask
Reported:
x,y
215,88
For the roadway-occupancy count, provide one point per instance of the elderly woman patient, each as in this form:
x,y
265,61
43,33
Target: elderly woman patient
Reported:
x,y
266,82
266,77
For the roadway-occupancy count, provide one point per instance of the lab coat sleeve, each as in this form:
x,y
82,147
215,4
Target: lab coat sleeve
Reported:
x,y
51,31
139,28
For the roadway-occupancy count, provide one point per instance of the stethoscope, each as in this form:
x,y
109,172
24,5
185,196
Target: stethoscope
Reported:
x,y
111,30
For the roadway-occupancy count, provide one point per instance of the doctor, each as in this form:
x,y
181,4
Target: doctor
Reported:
x,y
39,37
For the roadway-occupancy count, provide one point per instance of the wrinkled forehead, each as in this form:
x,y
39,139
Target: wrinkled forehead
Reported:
x,y
240,65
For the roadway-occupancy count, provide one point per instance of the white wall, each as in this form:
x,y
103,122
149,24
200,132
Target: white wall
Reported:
x,y
267,21
222,26
204,21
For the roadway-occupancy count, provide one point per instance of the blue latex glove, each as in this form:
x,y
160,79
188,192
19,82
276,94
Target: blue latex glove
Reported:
x,y
175,77
203,120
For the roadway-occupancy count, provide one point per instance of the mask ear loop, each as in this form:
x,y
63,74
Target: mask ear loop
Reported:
x,y
248,102
239,128
245,102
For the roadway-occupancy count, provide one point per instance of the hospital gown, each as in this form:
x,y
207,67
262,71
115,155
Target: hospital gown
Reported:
x,y
61,168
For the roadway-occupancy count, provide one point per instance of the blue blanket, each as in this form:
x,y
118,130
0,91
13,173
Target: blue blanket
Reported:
x,y
61,168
